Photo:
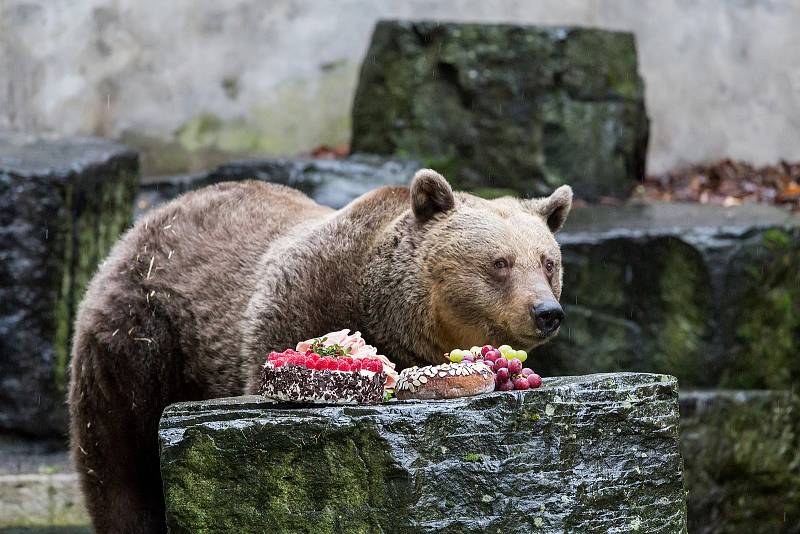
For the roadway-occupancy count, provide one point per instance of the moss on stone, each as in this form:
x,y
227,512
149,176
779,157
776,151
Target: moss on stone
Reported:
x,y
494,192
336,490
683,331
95,215
506,106
63,309
741,453
763,312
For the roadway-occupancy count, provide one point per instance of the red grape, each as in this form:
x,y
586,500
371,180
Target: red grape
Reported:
x,y
515,366
485,349
502,374
500,363
527,371
534,380
521,383
505,385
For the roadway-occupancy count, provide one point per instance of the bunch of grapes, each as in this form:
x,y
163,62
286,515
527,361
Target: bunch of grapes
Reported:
x,y
312,360
505,362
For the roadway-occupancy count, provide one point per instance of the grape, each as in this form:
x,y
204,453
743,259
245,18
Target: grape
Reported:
x,y
475,350
527,371
505,385
456,355
469,358
485,349
502,374
488,364
534,380
514,366
521,383
522,355
504,349
492,355
500,363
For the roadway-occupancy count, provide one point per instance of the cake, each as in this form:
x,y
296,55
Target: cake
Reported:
x,y
446,381
338,368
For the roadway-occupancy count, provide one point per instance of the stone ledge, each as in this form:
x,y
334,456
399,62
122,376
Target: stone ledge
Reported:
x,y
593,454
39,500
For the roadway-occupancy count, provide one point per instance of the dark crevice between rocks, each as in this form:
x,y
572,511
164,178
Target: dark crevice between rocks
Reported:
x,y
449,73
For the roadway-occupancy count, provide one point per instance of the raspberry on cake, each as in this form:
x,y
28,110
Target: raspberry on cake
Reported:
x,y
337,368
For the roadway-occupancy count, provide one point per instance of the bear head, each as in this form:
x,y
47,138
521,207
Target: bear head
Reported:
x,y
491,268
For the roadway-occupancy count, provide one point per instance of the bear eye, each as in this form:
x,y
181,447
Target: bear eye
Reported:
x,y
549,265
501,263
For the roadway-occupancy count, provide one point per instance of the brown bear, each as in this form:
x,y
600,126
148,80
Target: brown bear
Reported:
x,y
193,297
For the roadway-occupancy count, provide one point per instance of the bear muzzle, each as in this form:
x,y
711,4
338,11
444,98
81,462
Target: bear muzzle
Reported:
x,y
548,316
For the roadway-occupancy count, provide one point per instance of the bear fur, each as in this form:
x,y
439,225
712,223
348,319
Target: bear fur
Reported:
x,y
192,299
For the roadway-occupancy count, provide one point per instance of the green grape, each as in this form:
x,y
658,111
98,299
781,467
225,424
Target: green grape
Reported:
x,y
456,356
505,349
522,355
475,350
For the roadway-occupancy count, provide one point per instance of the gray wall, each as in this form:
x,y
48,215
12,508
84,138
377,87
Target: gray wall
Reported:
x,y
193,81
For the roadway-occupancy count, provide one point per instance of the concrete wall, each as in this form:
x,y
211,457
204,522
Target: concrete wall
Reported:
x,y
194,81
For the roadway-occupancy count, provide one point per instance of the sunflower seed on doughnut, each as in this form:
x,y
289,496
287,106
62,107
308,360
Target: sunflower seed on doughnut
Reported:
x,y
446,381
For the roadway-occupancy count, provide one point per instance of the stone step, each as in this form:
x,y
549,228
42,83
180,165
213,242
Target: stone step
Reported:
x,y
708,294
41,500
63,203
39,490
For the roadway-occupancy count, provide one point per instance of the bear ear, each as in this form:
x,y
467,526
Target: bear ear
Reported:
x,y
430,194
555,208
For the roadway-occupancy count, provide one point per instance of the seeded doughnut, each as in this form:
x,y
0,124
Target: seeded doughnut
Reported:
x,y
446,381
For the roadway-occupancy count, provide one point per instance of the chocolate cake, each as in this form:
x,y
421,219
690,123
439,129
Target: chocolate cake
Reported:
x,y
298,383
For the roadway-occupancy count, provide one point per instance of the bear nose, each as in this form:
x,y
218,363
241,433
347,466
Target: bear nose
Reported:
x,y
548,316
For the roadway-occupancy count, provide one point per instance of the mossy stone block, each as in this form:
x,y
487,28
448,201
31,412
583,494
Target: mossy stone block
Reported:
x,y
741,453
708,294
63,203
506,106
581,454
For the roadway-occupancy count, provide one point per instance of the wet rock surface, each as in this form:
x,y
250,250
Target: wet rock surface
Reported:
x,y
708,294
63,203
505,106
333,182
582,454
741,452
